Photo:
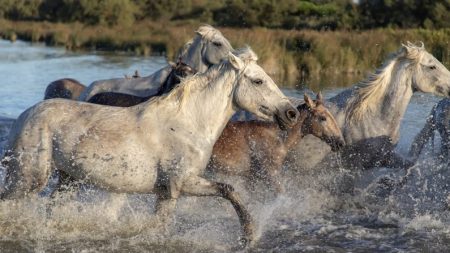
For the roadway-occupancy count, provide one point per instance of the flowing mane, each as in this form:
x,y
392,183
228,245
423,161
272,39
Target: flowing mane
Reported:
x,y
370,92
207,79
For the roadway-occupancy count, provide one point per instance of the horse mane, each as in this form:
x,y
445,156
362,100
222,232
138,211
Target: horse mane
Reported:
x,y
370,91
183,51
207,31
200,81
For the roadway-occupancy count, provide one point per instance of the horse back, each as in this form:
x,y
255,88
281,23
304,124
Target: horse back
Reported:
x,y
64,88
117,99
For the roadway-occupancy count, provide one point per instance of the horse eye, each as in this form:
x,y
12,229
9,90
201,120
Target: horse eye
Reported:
x,y
322,118
257,81
217,44
433,67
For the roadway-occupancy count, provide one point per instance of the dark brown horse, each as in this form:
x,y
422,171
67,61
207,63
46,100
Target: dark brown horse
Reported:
x,y
64,88
256,149
179,70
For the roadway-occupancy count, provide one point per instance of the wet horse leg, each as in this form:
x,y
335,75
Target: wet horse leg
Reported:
x,y
28,170
165,211
64,183
198,186
395,160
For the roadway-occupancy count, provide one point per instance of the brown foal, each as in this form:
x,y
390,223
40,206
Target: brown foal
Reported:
x,y
256,149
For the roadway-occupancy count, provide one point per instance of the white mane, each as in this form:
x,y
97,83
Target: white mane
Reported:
x,y
371,91
209,78
208,32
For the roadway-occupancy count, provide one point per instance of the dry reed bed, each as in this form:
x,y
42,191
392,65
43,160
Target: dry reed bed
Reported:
x,y
288,55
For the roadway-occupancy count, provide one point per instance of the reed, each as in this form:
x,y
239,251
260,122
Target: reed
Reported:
x,y
291,57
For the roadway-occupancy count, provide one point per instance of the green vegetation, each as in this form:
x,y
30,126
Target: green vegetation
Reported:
x,y
290,56
287,14
296,39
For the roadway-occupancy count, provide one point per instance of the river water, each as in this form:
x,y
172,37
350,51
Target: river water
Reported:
x,y
312,216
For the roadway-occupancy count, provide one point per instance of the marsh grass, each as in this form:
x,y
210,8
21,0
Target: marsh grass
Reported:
x,y
291,57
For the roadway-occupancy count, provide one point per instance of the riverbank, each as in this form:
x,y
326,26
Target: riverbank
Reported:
x,y
294,57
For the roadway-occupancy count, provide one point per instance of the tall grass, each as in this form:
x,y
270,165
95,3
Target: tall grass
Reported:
x,y
291,57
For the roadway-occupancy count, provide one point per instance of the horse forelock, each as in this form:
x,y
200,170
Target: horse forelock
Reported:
x,y
246,54
208,32
412,52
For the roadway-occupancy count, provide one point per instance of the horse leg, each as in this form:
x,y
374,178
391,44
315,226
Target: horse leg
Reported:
x,y
165,210
64,183
423,136
197,186
28,170
395,160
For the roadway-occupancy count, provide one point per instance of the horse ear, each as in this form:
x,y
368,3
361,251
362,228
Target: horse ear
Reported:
x,y
308,101
320,97
410,50
235,61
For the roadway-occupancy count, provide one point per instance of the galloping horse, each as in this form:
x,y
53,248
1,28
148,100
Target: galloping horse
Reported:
x,y
179,71
64,88
207,48
257,149
439,120
161,146
369,113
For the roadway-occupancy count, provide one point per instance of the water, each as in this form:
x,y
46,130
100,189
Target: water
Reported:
x,y
310,217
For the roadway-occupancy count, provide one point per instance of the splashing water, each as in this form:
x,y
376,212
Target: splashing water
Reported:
x,y
320,211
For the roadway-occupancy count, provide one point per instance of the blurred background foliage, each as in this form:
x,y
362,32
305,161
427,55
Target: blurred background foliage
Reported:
x,y
297,40
286,14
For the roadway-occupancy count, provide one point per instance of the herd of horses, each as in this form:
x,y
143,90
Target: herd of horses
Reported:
x,y
164,132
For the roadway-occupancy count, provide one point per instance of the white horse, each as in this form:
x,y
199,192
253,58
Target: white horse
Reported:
x,y
208,47
161,146
369,114
439,120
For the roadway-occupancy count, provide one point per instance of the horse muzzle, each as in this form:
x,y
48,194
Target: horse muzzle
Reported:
x,y
335,143
287,117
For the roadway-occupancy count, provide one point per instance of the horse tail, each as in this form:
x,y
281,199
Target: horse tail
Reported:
x,y
424,136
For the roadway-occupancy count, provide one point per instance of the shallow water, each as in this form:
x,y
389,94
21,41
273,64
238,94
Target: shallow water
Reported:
x,y
313,216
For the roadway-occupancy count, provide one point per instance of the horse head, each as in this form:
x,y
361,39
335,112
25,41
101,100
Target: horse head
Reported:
x,y
320,122
208,47
429,75
257,93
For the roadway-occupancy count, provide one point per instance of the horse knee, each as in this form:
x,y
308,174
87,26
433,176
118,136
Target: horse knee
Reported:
x,y
224,189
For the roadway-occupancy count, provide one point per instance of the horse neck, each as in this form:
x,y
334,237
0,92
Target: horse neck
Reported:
x,y
394,105
296,133
387,112
194,56
210,108
168,84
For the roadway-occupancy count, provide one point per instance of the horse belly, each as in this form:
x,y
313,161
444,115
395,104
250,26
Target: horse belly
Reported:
x,y
117,171
123,177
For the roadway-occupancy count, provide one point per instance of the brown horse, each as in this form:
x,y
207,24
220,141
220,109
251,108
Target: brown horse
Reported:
x,y
257,149
179,70
64,88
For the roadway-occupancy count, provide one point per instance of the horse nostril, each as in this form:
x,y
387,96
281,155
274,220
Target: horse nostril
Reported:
x,y
292,115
